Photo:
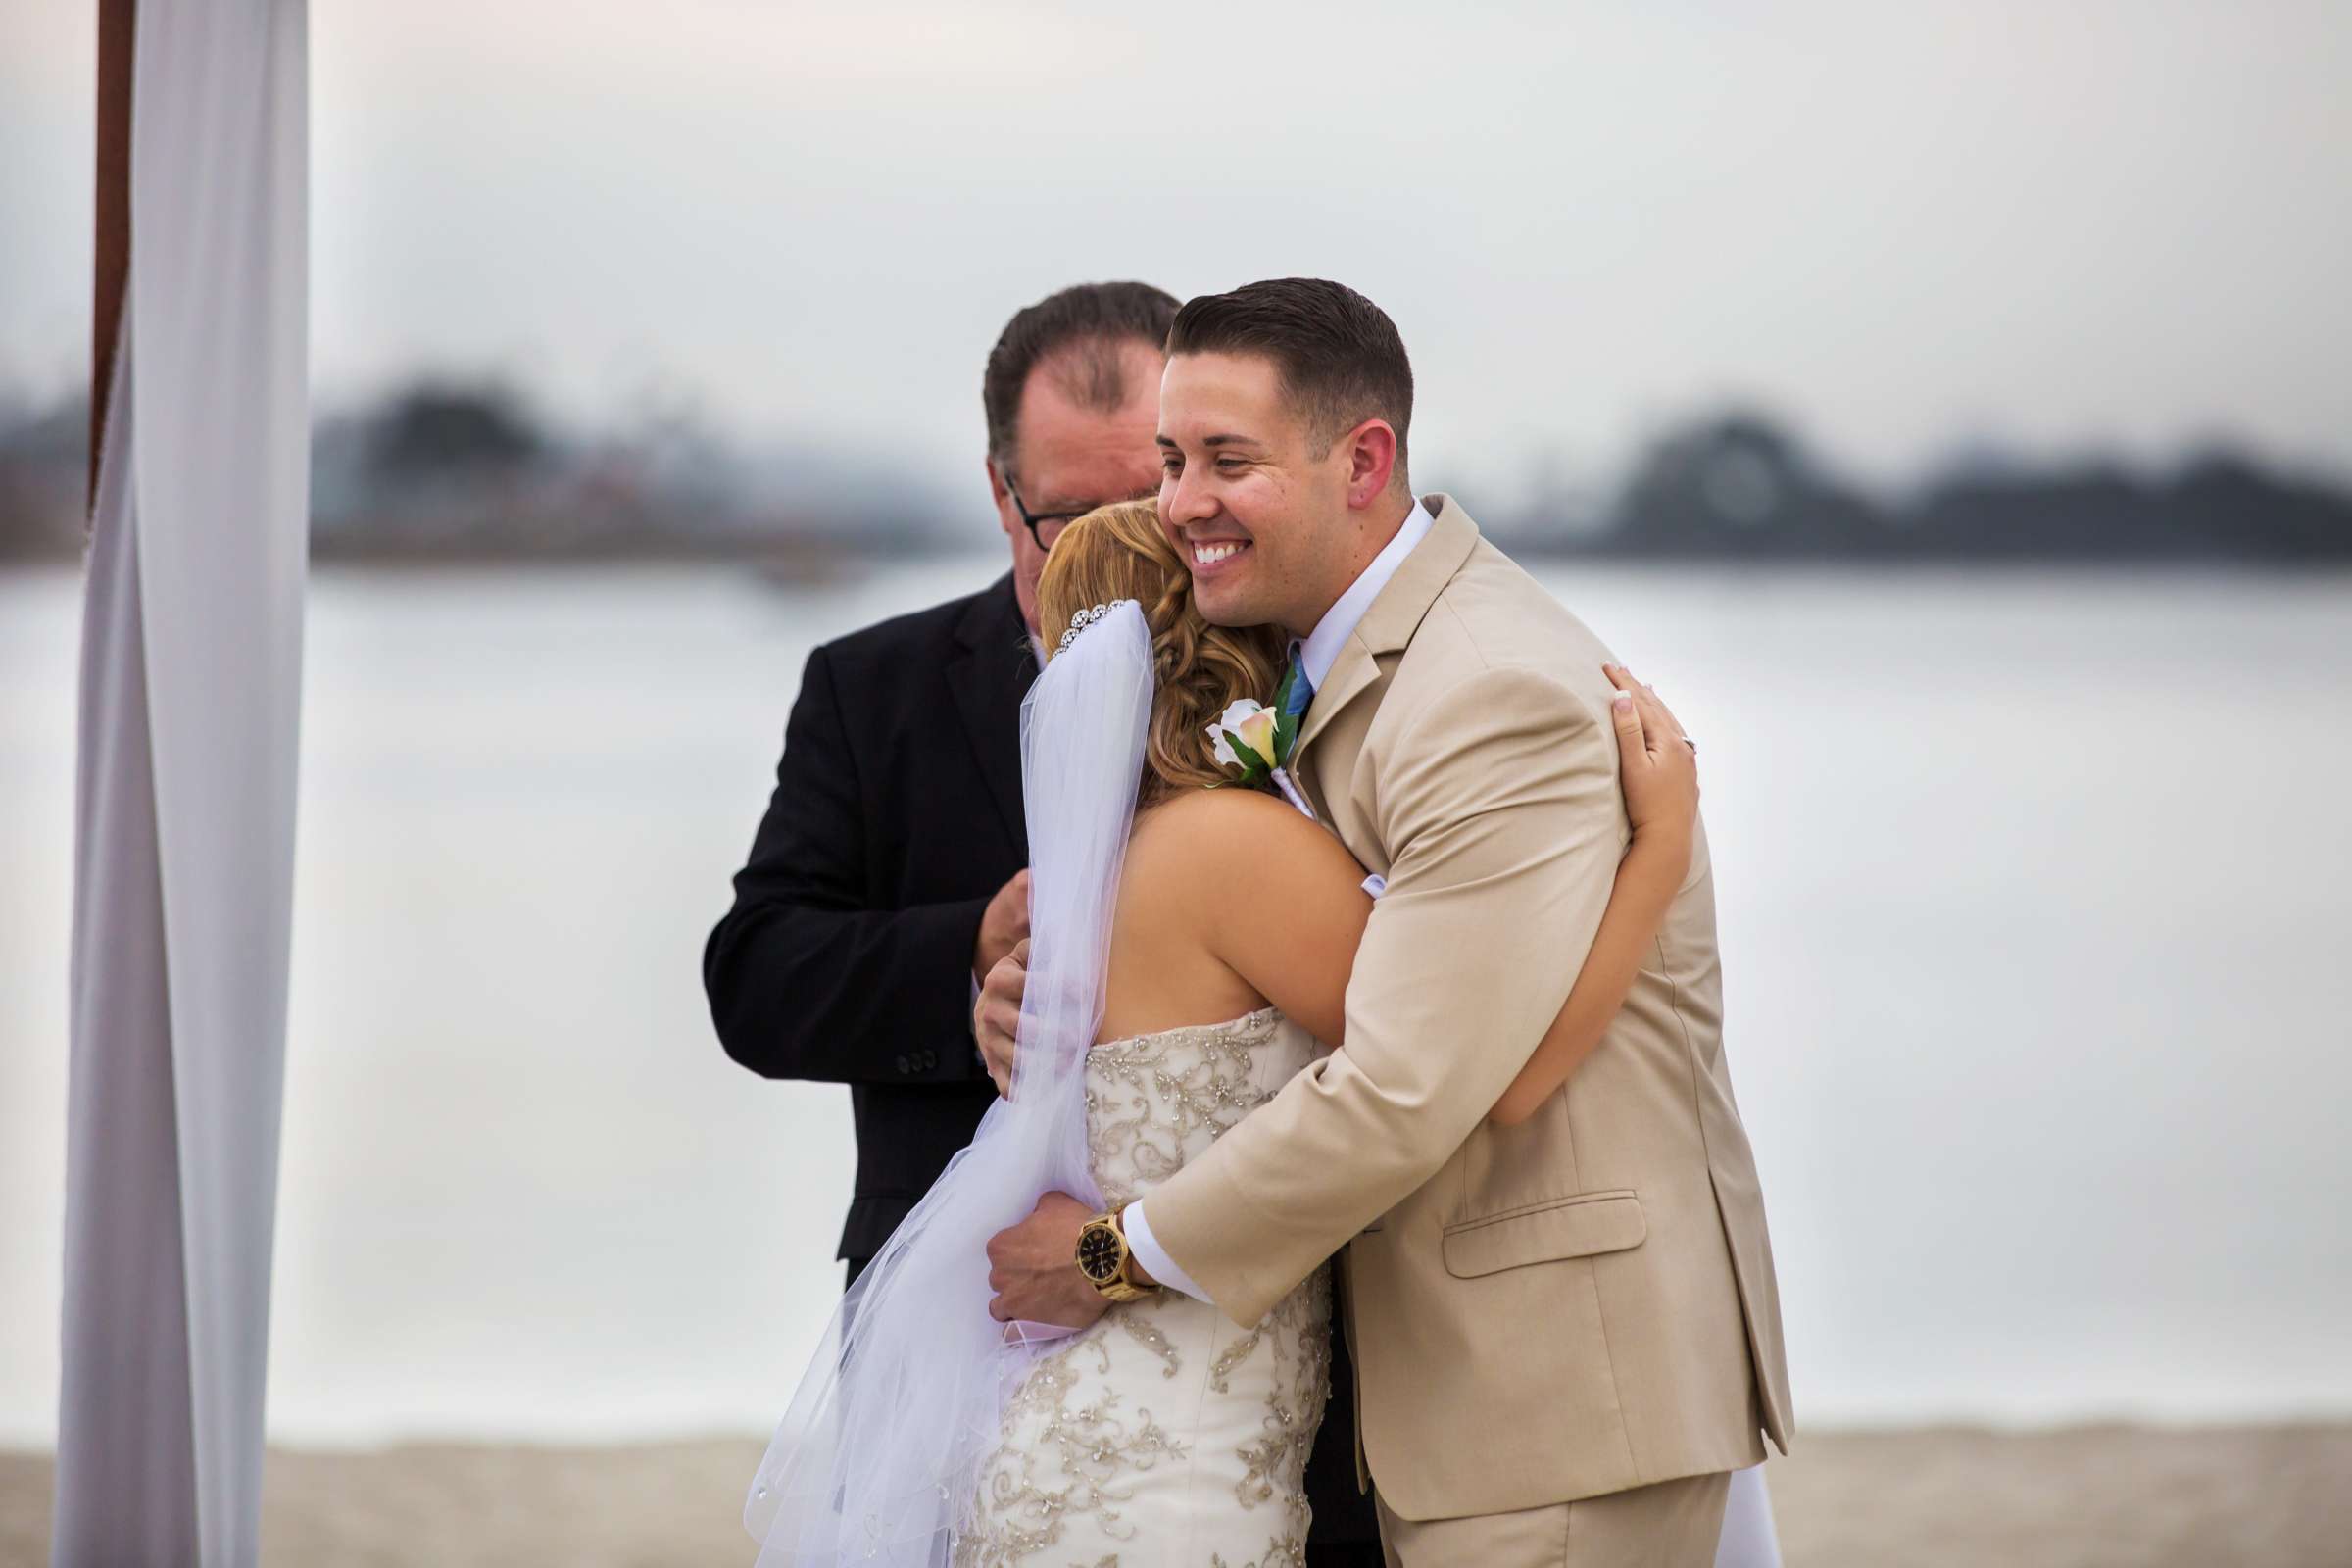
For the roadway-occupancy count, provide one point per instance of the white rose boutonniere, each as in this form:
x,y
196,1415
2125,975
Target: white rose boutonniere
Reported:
x,y
1255,741
1248,737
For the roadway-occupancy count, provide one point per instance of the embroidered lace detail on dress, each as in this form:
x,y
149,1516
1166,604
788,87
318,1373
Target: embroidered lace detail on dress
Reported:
x,y
1156,1100
1164,1435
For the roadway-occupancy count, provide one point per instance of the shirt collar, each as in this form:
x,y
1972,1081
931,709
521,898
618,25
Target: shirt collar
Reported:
x,y
1320,649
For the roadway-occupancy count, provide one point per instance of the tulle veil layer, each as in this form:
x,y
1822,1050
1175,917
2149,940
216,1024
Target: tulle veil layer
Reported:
x,y
876,1459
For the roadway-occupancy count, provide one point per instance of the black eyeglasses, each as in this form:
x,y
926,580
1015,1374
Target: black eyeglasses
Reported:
x,y
1046,526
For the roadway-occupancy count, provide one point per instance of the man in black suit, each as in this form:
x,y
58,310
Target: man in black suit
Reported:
x,y
888,874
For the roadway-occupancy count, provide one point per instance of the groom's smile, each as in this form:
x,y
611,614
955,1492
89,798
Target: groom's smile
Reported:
x,y
1209,555
1259,508
1223,446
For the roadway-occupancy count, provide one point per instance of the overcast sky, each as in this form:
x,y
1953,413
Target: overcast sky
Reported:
x,y
1908,226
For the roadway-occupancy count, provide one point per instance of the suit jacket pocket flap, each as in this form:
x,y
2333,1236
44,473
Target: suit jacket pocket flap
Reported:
x,y
1569,1227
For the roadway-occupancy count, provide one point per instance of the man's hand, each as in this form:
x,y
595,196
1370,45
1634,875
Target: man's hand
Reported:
x,y
1004,925
996,1015
1032,1268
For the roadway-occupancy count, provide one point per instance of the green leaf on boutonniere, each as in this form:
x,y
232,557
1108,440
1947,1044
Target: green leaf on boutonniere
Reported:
x,y
1285,731
1253,767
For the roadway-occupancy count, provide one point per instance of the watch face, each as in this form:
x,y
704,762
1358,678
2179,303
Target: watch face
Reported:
x,y
1098,1253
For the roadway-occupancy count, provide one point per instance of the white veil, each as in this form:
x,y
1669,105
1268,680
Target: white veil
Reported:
x,y
876,1460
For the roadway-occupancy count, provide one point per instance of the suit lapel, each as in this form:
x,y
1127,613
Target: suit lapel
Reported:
x,y
1354,673
988,674
1389,624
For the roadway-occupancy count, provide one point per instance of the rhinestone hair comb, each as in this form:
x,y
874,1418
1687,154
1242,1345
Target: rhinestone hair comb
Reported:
x,y
1084,619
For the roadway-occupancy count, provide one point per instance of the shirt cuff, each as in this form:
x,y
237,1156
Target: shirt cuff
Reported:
x,y
1155,1260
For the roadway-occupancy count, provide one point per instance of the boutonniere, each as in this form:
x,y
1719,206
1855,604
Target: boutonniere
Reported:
x,y
1251,739
1257,741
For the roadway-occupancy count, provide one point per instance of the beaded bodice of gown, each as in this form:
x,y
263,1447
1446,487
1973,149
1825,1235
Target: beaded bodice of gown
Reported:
x,y
1163,1434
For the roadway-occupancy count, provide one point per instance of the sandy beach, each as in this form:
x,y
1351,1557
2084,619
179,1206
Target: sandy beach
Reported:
x,y
2083,1498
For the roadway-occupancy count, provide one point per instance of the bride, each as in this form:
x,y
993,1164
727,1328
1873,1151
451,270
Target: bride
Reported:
x,y
1193,945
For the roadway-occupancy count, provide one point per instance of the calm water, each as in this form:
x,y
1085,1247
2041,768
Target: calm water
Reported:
x,y
2037,896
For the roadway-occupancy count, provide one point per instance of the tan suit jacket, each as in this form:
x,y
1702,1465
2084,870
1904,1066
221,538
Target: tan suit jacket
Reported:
x,y
1574,1306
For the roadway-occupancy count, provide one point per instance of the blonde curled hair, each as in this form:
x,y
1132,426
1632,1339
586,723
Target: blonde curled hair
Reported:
x,y
1118,552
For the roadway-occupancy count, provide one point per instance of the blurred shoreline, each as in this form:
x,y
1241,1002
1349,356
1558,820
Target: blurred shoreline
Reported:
x,y
2254,1496
442,473
818,565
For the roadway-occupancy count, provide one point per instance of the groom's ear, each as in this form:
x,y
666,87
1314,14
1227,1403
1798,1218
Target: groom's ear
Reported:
x,y
1371,449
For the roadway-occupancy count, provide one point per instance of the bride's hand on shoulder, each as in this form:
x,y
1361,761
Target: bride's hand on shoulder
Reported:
x,y
1658,765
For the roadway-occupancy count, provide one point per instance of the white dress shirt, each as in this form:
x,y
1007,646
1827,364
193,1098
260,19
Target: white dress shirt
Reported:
x,y
1320,649
1317,653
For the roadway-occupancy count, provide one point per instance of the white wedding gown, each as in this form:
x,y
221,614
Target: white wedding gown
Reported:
x,y
1163,1435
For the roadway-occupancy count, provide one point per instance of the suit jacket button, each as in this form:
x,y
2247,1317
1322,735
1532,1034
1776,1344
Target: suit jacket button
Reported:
x,y
903,1068
930,1060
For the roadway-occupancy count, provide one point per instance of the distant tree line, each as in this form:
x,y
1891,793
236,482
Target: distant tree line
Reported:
x,y
1739,485
443,471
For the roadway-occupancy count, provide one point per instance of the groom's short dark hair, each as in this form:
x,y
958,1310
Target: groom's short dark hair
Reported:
x,y
1341,357
1097,320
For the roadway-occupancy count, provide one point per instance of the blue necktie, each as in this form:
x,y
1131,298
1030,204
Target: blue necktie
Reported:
x,y
1302,690
1297,692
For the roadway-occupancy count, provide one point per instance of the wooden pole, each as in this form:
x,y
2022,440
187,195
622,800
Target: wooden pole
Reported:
x,y
117,25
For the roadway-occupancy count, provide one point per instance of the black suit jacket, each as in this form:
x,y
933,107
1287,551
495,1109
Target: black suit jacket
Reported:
x,y
847,957
896,817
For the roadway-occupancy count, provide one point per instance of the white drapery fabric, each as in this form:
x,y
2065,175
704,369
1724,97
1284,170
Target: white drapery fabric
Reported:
x,y
184,870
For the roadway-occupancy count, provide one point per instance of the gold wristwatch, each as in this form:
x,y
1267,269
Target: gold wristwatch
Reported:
x,y
1105,1258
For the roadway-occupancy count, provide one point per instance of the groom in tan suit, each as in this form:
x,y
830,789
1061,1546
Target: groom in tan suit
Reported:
x,y
1567,1332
